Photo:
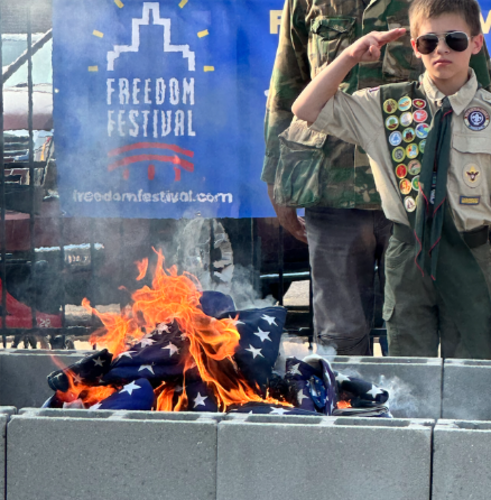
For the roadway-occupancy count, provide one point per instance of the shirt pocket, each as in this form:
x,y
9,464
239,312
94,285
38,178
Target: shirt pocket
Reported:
x,y
399,62
471,162
328,37
297,181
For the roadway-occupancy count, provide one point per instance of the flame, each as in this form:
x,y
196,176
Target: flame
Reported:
x,y
142,268
341,405
212,342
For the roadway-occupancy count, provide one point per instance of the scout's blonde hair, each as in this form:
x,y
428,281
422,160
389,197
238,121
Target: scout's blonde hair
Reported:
x,y
426,9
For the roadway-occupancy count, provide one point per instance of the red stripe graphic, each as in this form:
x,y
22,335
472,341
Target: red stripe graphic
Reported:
x,y
145,145
186,165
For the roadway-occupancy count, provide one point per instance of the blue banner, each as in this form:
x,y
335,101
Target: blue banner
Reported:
x,y
159,106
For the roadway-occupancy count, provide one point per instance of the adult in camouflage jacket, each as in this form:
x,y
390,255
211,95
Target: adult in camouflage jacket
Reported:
x,y
345,227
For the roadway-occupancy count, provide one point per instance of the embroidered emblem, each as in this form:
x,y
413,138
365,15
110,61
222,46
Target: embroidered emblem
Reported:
x,y
408,134
398,154
406,119
395,138
412,151
420,116
422,130
422,145
390,105
476,118
415,183
401,171
419,103
392,122
405,186
414,167
409,204
470,200
472,175
404,103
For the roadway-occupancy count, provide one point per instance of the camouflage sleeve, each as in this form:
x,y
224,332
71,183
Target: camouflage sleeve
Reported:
x,y
290,76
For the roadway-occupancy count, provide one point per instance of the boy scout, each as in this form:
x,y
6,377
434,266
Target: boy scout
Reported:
x,y
429,147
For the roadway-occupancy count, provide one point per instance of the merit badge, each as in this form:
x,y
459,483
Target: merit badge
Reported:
x,y
395,138
405,186
419,103
392,122
408,134
398,154
476,118
406,119
472,175
404,103
409,203
420,115
422,145
401,171
422,130
415,183
412,151
390,106
414,167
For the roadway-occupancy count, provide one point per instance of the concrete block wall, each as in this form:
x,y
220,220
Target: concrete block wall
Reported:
x,y
292,458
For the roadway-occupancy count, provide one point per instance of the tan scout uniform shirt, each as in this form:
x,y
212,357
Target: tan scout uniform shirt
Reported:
x,y
358,119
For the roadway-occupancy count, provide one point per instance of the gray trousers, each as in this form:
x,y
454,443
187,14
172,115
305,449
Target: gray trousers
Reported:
x,y
345,246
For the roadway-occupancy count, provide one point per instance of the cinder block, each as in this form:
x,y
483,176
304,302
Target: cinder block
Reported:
x,y
24,375
465,381
294,458
5,412
414,384
81,458
461,460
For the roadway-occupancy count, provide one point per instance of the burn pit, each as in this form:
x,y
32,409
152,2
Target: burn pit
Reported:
x,y
177,348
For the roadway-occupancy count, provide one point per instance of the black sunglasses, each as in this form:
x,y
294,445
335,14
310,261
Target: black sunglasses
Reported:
x,y
456,40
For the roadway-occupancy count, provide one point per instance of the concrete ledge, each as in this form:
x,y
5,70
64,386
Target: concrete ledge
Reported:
x,y
277,458
465,381
414,384
57,454
461,460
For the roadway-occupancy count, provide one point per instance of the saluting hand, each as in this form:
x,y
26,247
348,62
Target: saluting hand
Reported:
x,y
367,48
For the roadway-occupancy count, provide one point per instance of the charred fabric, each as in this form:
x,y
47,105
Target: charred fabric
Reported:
x,y
177,348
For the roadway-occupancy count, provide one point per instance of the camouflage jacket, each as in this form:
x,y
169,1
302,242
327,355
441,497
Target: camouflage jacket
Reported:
x,y
312,34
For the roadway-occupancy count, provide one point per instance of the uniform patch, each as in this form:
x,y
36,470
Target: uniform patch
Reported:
x,y
472,175
405,186
409,203
390,106
422,145
398,154
470,200
401,171
406,119
476,118
422,130
395,138
408,134
414,167
404,103
392,122
419,103
412,151
415,183
420,115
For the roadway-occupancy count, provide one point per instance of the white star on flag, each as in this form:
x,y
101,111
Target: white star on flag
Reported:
x,y
270,319
294,370
146,367
146,341
262,335
374,391
77,378
173,349
163,327
255,352
126,354
278,411
98,362
129,388
341,378
95,407
199,400
301,396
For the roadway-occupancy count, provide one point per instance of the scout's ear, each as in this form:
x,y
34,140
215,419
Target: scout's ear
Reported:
x,y
476,43
413,45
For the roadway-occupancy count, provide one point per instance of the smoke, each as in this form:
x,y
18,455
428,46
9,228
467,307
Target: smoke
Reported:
x,y
403,403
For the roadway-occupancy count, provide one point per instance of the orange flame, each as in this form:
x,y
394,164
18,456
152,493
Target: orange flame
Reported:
x,y
341,405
